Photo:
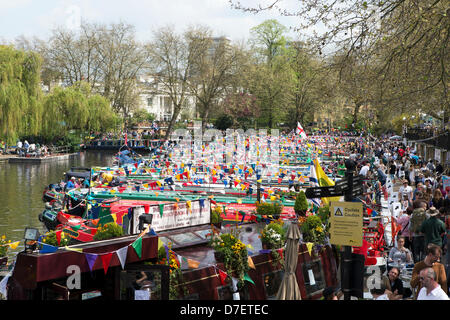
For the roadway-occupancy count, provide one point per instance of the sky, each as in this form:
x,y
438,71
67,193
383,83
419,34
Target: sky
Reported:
x,y
38,17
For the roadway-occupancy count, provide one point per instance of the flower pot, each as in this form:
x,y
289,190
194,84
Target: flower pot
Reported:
x,y
3,261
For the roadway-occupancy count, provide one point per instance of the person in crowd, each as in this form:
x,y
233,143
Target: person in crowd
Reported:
x,y
364,169
381,175
433,228
418,216
431,290
381,293
431,260
438,200
405,194
404,222
392,170
331,293
400,254
395,288
71,183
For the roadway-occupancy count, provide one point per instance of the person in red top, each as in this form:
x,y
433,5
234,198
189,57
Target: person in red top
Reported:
x,y
401,152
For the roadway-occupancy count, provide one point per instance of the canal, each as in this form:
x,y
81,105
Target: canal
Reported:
x,y
21,187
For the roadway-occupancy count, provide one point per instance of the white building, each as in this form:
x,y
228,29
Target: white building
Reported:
x,y
155,101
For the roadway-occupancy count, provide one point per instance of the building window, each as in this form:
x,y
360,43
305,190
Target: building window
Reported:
x,y
149,101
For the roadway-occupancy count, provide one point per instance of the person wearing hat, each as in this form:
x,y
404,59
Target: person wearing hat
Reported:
x,y
433,228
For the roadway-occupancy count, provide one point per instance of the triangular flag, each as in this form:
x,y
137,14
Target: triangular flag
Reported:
x,y
122,255
193,264
106,258
73,249
14,245
48,248
250,263
222,276
137,245
309,246
90,258
247,278
58,236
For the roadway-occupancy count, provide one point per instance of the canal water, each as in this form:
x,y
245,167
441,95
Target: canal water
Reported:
x,y
21,187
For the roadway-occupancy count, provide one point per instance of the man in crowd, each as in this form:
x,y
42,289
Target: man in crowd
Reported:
x,y
431,290
431,260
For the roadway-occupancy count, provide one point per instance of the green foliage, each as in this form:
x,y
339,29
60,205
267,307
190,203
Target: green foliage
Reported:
x,y
4,246
223,122
233,252
108,231
301,204
312,230
140,116
269,209
20,94
216,215
274,234
50,239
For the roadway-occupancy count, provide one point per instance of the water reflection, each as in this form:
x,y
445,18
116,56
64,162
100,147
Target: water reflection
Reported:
x,y
21,187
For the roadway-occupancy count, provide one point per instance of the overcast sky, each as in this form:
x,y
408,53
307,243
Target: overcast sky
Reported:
x,y
38,17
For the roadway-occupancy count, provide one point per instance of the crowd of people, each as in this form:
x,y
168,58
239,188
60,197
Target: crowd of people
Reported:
x,y
424,222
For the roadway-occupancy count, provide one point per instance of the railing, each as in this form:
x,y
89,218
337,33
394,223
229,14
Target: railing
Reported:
x,y
438,139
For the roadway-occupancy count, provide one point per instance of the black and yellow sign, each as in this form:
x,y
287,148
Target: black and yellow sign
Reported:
x,y
346,223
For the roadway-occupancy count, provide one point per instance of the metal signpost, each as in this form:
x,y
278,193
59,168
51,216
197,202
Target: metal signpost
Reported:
x,y
349,187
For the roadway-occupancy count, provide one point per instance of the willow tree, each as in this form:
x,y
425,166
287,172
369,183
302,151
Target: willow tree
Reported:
x,y
76,108
20,94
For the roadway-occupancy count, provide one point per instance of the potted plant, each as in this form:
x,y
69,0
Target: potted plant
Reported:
x,y
313,230
4,250
229,250
51,239
175,273
301,204
216,216
269,209
108,231
273,237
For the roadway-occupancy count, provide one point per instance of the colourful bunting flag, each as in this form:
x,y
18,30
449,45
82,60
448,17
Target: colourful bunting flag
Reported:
x,y
122,255
90,258
106,258
137,245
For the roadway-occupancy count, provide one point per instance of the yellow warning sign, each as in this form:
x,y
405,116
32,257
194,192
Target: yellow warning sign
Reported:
x,y
346,223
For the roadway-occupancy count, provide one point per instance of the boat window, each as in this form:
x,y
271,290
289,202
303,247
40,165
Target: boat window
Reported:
x,y
225,292
314,277
144,283
184,238
193,296
272,282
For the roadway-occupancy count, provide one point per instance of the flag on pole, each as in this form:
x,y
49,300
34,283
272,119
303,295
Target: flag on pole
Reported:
x,y
300,131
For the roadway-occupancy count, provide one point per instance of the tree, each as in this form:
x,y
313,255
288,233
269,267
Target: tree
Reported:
x,y
75,108
301,204
398,37
108,57
20,93
215,64
172,61
270,80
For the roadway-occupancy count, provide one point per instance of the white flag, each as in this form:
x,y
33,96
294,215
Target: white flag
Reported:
x,y
122,255
300,131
